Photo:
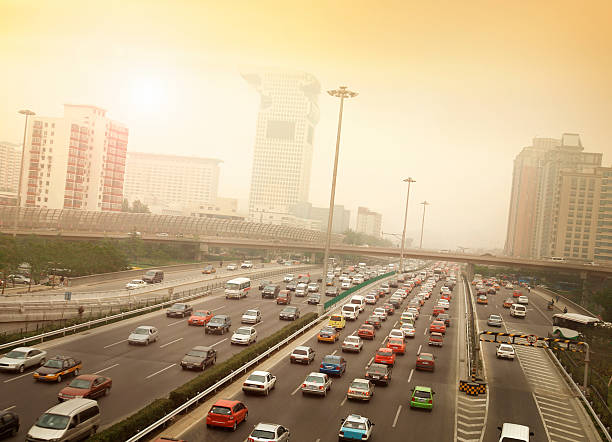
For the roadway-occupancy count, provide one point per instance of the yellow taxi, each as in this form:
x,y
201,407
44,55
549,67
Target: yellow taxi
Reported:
x,y
328,334
337,321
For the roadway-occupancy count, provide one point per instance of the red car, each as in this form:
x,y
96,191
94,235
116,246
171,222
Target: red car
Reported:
x,y
88,386
446,296
366,331
385,356
227,414
397,345
389,308
200,317
437,310
517,293
437,326
436,339
425,361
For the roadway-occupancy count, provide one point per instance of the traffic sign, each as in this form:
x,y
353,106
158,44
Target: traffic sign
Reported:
x,y
532,339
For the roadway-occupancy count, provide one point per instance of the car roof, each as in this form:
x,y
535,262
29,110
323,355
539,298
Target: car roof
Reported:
x,y
145,326
302,347
356,418
88,377
225,403
261,373
421,388
268,427
201,348
65,408
24,349
246,327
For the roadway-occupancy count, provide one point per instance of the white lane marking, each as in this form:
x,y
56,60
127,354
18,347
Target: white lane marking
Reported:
x,y
343,401
115,343
335,351
219,342
218,308
171,342
174,323
296,390
160,371
425,332
104,369
256,324
410,375
318,440
419,350
18,377
396,416
9,408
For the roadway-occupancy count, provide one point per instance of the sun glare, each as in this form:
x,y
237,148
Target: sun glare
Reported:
x,y
146,95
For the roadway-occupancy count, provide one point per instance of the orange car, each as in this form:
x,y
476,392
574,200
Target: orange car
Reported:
x,y
508,303
200,317
385,356
366,331
328,334
517,293
397,345
437,326
482,299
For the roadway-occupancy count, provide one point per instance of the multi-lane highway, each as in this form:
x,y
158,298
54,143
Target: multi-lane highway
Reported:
x,y
313,418
139,374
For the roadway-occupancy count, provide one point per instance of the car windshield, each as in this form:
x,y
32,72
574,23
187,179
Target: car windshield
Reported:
x,y
197,353
495,317
315,379
250,313
506,347
53,421
395,341
373,318
328,330
232,286
178,307
335,318
79,383
256,378
54,363
264,434
331,359
352,339
14,354
298,351
383,352
141,331
359,385
200,314
426,357
221,410
290,309
216,320
151,273
422,394
243,331
354,425
270,287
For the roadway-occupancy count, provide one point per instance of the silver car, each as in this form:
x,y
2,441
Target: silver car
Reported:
x,y
244,335
269,433
352,343
259,382
21,358
251,317
144,334
316,383
361,389
495,321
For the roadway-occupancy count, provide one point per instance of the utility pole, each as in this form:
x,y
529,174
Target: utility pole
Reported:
x,y
27,113
425,204
408,180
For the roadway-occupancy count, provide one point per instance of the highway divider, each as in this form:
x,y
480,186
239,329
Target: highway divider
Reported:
x,y
352,290
12,341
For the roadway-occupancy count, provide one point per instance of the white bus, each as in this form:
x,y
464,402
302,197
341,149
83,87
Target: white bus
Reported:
x,y
237,288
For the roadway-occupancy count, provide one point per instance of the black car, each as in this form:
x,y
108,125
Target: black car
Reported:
x,y
444,317
199,358
264,283
9,423
314,299
179,309
379,373
218,324
393,284
395,301
375,321
289,313
270,291
291,286
331,291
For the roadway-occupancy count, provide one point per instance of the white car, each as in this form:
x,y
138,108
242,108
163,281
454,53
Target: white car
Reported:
x,y
289,277
143,334
259,382
523,299
316,383
135,284
244,335
370,299
414,311
408,329
269,433
505,351
21,358
397,333
346,284
444,304
252,316
313,287
381,312
302,355
352,343
231,267
246,265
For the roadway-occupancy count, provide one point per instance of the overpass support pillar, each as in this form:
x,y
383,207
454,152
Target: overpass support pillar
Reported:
x,y
202,250
470,271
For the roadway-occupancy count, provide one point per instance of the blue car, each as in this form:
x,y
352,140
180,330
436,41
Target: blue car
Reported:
x,y
333,365
355,427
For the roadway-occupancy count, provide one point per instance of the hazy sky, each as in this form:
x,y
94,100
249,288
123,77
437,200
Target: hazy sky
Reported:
x,y
449,91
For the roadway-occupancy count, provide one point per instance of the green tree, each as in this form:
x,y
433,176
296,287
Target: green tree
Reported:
x,y
136,207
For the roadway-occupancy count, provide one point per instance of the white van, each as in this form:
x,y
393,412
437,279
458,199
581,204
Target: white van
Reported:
x,y
237,288
518,311
350,311
74,419
514,433
346,284
359,301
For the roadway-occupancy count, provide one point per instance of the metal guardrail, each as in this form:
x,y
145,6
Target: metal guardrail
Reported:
x,y
230,377
352,290
120,316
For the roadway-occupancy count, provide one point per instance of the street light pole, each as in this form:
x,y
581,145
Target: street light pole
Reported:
x,y
341,93
27,113
425,204
408,180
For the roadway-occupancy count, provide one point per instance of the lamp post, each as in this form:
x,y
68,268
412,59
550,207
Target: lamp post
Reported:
x,y
341,93
425,204
408,180
27,113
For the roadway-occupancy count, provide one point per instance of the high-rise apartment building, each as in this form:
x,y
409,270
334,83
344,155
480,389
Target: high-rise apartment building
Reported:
x,y
171,180
284,137
558,204
340,222
369,222
10,163
74,162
